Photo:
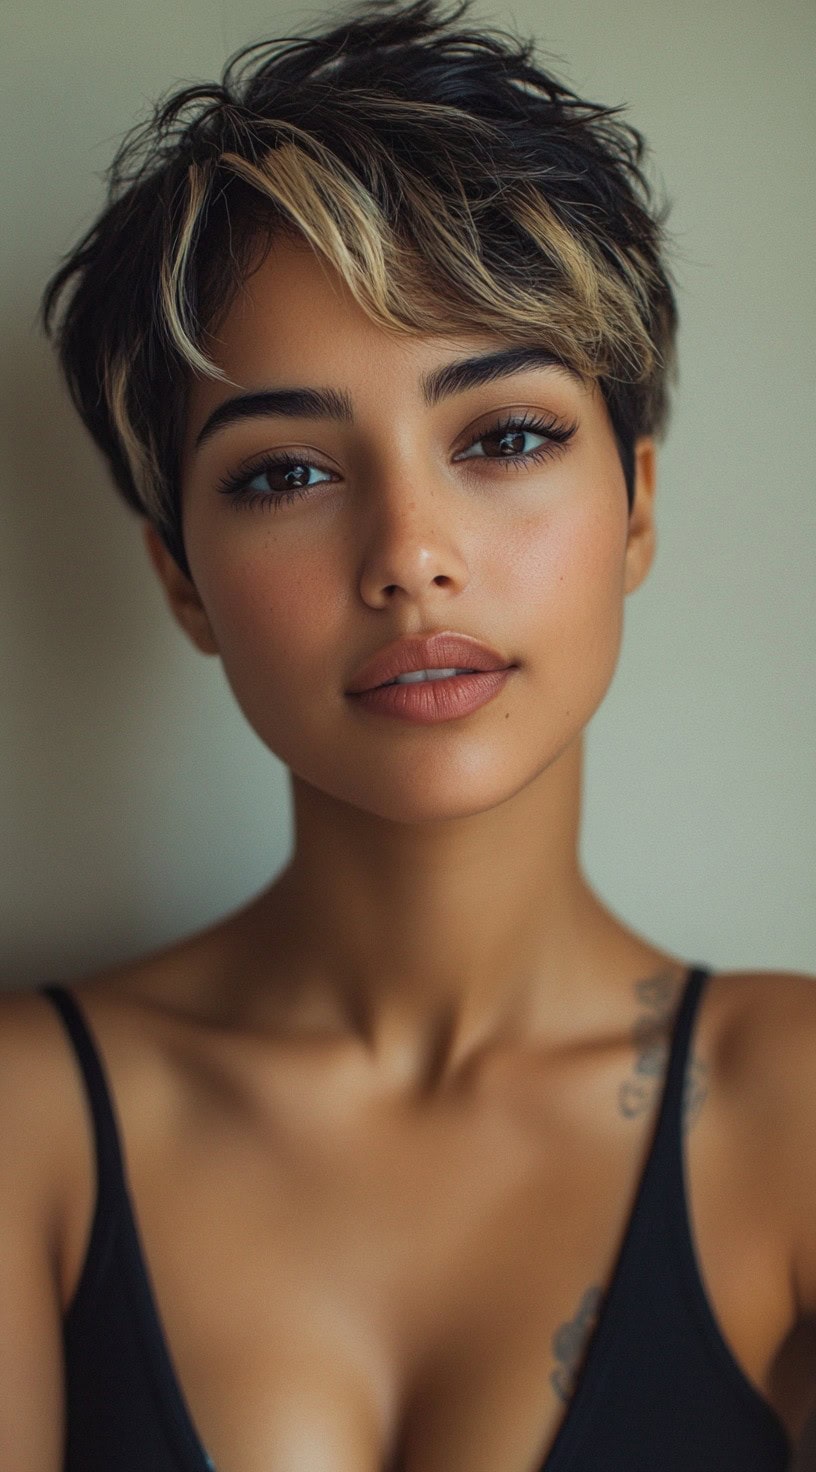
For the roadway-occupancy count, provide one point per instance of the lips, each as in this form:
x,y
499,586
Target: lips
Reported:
x,y
445,650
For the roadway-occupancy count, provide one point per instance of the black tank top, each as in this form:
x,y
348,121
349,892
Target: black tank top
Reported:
x,y
659,1388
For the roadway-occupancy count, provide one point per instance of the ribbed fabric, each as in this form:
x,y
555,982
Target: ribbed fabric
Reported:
x,y
659,1390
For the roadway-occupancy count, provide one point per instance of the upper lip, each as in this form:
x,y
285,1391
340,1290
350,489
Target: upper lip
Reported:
x,y
444,650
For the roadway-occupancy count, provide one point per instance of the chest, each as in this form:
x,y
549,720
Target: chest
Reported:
x,y
378,1293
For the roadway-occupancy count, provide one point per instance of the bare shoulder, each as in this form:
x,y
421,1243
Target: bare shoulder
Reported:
x,y
35,1124
759,1036
46,1138
761,1032
47,1145
33,1073
33,1060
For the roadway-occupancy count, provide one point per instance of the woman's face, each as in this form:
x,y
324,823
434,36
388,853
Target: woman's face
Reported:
x,y
404,517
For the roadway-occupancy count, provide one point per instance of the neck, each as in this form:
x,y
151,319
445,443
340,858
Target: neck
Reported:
x,y
431,942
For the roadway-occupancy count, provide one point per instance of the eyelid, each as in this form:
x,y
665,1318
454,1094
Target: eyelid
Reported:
x,y
252,464
483,425
547,419
501,412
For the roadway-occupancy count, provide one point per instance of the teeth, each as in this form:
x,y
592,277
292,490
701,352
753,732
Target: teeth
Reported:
x,y
413,676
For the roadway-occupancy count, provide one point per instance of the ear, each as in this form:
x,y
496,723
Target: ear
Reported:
x,y
185,604
641,537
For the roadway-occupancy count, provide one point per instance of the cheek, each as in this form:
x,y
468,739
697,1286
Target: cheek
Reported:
x,y
568,585
273,612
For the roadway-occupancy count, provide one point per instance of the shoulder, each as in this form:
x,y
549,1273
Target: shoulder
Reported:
x,y
33,1073
34,1062
46,1139
47,1147
37,1126
761,1031
759,1040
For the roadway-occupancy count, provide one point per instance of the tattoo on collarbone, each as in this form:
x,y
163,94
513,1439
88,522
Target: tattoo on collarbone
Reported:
x,y
570,1341
658,997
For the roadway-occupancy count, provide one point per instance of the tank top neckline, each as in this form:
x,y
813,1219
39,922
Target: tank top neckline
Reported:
x,y
663,1169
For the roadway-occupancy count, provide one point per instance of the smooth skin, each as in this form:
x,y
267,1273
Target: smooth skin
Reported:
x,y
383,1124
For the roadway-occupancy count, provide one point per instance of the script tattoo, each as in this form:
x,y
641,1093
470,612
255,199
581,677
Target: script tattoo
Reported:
x,y
569,1342
658,995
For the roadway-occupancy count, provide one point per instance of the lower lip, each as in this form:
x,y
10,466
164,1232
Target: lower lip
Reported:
x,y
427,701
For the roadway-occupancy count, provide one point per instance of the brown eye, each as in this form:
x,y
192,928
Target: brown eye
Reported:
x,y
284,478
508,439
509,443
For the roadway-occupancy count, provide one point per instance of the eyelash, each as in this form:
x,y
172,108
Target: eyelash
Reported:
x,y
235,485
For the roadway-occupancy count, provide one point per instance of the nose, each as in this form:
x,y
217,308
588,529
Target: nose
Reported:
x,y
413,544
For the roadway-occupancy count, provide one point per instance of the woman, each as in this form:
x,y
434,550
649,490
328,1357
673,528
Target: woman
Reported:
x,y
421,1159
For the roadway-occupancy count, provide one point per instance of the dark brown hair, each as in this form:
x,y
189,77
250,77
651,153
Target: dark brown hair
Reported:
x,y
452,182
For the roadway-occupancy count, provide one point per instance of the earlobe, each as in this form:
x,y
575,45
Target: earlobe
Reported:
x,y
642,538
181,593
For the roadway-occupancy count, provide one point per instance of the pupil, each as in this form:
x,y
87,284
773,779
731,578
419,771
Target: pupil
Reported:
x,y
294,476
505,440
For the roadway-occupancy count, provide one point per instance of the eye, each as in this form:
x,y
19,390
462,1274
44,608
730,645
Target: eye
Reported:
x,y
292,473
510,439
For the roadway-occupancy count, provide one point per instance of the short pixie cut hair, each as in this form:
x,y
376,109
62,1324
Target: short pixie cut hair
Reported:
x,y
453,184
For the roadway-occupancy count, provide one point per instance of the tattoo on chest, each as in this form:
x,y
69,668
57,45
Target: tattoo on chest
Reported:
x,y
570,1341
657,997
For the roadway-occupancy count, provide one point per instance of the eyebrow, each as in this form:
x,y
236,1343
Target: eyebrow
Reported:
x,y
330,403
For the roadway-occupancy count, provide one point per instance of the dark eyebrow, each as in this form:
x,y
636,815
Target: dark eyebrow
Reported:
x,y
330,403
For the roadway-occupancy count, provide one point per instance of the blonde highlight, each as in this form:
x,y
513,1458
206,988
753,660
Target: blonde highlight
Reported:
x,y
534,223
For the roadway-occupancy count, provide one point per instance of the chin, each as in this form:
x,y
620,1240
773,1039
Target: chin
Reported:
x,y
433,790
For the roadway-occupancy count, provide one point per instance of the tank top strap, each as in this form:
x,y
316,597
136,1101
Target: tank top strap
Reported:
x,y
665,1158
110,1184
677,1083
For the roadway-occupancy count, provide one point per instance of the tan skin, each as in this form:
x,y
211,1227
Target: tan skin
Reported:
x,y
394,1099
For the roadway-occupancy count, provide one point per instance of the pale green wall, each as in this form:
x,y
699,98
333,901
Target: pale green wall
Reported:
x,y
136,804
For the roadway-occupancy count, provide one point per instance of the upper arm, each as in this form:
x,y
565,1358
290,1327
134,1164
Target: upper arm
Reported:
x,y
780,1078
31,1361
802,1155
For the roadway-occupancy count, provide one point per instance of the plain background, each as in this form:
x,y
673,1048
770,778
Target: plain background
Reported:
x,y
135,803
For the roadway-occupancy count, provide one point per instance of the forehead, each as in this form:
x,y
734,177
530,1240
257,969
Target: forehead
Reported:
x,y
298,308
295,321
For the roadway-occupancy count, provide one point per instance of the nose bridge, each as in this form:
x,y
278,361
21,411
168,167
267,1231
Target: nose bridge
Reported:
x,y
414,530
